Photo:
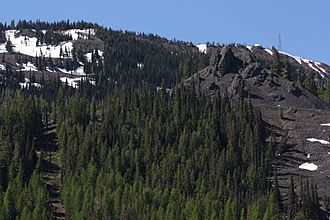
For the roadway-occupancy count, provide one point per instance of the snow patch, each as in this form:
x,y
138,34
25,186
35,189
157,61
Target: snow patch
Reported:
x,y
308,156
250,48
74,82
269,51
77,72
89,55
308,166
29,67
318,140
316,66
49,70
28,46
326,125
202,48
27,84
79,33
2,67
298,59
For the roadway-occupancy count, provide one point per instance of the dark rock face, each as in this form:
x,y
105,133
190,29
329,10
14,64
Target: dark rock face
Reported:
x,y
215,58
235,72
253,69
228,62
274,96
236,87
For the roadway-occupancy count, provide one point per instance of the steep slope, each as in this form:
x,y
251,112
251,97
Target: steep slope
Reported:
x,y
293,115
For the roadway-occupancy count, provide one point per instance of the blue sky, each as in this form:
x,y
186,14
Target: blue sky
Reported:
x,y
304,26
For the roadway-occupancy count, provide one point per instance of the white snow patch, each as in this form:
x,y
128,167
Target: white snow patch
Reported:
x,y
318,140
77,72
308,156
89,55
250,48
29,67
26,45
78,33
326,125
308,166
27,84
49,70
269,51
3,48
74,82
202,48
298,59
2,67
316,66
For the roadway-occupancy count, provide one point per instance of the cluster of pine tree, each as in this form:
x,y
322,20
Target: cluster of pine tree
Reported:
x,y
22,189
129,152
155,156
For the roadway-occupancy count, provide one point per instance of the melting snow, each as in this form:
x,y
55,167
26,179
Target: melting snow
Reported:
x,y
89,55
269,51
318,140
202,48
74,82
27,84
29,67
77,72
298,59
79,34
308,166
316,66
250,48
49,70
3,48
71,82
26,45
2,67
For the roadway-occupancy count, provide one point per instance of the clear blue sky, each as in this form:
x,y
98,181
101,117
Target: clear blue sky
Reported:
x,y
304,25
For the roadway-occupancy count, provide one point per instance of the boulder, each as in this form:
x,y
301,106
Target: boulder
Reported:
x,y
228,62
237,87
253,69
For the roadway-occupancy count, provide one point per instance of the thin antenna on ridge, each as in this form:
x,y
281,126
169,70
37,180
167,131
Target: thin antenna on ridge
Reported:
x,y
279,42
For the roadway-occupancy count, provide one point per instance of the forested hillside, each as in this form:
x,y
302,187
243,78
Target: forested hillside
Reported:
x,y
131,142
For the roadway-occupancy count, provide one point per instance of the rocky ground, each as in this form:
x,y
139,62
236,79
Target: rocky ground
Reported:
x,y
237,72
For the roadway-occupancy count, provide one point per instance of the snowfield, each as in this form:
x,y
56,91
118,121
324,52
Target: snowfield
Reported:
x,y
308,166
27,45
318,140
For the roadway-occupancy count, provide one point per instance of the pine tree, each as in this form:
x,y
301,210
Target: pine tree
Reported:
x,y
292,201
